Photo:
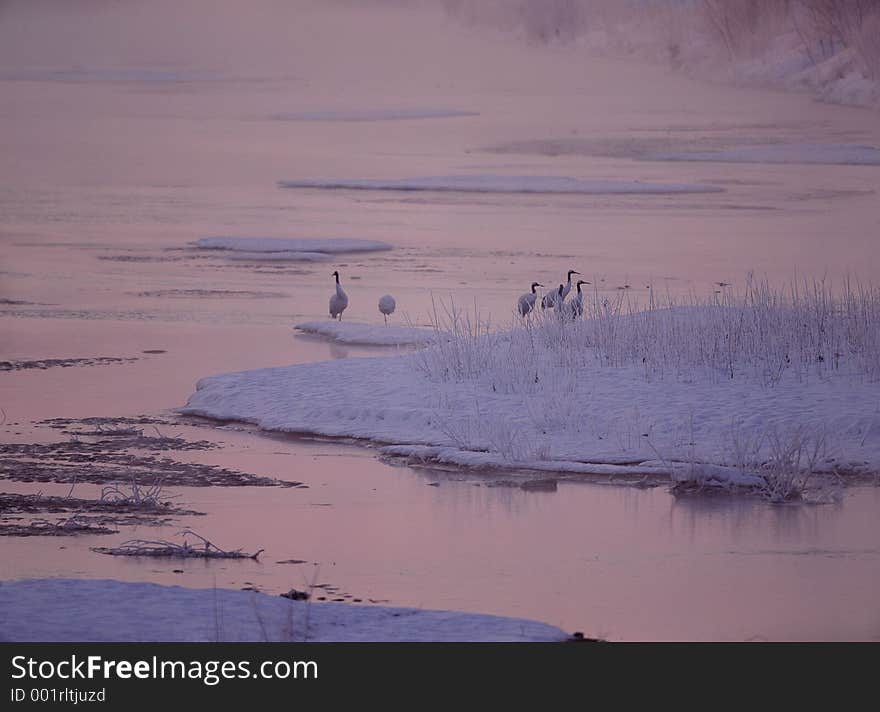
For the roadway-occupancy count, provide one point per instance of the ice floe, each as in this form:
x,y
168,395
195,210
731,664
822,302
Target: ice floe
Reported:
x,y
373,115
505,184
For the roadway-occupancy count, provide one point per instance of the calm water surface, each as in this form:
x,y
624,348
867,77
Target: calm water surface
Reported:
x,y
107,182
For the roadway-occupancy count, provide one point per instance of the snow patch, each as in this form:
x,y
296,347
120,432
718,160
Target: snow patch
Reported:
x,y
118,611
352,332
505,184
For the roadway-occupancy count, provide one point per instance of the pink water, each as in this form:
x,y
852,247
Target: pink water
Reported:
x,y
105,182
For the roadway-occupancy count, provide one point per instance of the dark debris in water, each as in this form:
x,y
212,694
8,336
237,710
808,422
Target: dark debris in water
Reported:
x,y
70,527
42,364
84,516
11,504
295,595
108,424
107,459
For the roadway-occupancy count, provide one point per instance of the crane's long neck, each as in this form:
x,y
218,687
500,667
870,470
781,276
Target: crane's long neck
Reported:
x,y
337,279
533,289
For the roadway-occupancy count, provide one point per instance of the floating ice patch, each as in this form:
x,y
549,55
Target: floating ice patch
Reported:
x,y
120,611
289,246
505,184
352,332
373,115
844,154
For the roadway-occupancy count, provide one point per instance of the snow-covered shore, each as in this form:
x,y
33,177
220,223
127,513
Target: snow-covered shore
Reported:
x,y
84,610
559,408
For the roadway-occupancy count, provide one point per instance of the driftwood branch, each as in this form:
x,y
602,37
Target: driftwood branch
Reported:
x,y
170,549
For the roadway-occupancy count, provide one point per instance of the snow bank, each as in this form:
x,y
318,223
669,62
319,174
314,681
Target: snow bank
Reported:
x,y
373,115
601,420
505,184
352,332
847,154
80,610
329,245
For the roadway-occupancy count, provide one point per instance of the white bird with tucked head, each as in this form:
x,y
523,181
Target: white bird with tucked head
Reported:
x,y
387,306
550,298
526,302
339,301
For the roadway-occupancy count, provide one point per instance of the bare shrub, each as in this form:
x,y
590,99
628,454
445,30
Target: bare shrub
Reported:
x,y
795,457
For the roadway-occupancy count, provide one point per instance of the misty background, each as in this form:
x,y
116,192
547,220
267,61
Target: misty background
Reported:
x,y
828,47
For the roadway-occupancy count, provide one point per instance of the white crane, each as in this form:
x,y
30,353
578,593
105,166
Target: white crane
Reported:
x,y
339,301
387,306
550,298
526,302
576,305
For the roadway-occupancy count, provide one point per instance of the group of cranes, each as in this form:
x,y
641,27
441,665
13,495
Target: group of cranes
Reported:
x,y
555,299
339,302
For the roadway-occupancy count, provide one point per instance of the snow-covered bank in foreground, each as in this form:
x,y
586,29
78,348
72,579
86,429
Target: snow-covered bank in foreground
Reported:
x,y
354,332
115,611
505,184
288,246
716,393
